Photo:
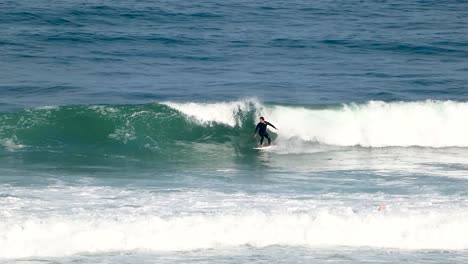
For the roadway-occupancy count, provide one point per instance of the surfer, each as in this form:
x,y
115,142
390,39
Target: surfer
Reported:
x,y
262,130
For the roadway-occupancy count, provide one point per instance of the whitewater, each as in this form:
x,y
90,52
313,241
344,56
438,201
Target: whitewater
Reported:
x,y
374,124
212,220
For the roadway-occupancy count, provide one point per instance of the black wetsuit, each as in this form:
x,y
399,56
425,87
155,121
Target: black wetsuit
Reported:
x,y
262,131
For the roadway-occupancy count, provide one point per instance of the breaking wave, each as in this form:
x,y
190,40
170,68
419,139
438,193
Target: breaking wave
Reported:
x,y
156,129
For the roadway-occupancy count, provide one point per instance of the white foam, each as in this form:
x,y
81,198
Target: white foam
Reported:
x,y
208,113
377,124
66,220
47,107
103,109
374,124
11,144
67,235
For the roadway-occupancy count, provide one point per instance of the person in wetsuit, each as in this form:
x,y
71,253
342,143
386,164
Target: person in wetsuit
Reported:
x,y
262,130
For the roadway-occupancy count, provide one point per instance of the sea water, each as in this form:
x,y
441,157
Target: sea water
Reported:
x,y
126,131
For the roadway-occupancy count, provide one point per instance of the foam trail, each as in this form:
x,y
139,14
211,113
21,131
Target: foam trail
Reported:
x,y
59,236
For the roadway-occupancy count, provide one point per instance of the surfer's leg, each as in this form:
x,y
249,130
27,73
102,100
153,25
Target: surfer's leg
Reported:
x,y
261,139
269,139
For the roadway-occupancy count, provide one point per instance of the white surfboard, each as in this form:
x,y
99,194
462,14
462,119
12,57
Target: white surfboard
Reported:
x,y
265,148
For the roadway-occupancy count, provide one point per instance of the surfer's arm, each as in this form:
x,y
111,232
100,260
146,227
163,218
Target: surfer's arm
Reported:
x,y
256,129
270,124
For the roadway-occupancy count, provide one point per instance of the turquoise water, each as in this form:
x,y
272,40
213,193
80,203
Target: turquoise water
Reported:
x,y
126,132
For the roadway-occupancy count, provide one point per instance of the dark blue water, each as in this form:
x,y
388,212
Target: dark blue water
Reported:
x,y
126,131
295,52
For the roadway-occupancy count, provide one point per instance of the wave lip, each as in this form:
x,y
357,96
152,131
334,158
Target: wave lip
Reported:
x,y
227,113
60,236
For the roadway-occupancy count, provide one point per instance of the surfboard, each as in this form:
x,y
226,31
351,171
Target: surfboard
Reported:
x,y
265,148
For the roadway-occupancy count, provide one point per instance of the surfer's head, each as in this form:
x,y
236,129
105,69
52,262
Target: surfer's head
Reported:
x,y
262,119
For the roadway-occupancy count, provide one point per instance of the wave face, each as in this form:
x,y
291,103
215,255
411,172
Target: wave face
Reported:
x,y
163,128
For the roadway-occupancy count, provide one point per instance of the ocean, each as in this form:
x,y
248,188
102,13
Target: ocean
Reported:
x,y
126,131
